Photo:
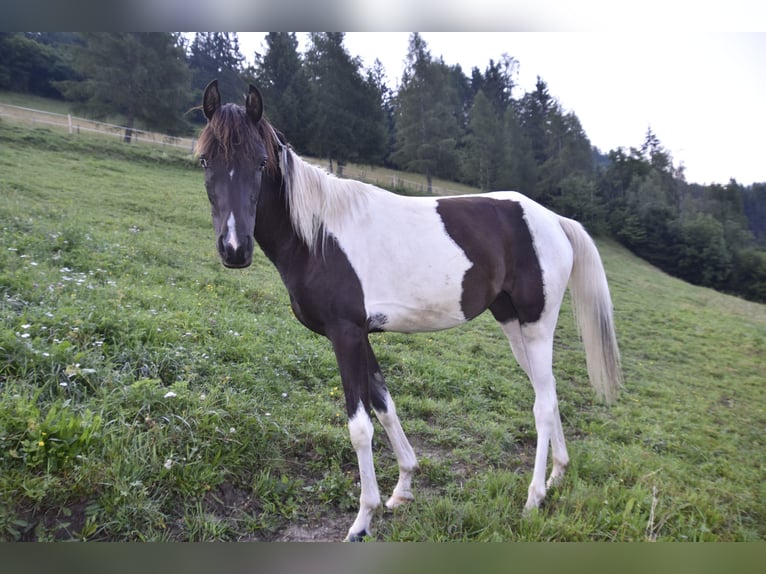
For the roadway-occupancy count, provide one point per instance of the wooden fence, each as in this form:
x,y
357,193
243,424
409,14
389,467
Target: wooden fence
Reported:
x,y
75,125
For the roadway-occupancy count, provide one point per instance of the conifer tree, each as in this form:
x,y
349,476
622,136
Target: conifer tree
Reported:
x,y
427,126
347,112
280,75
141,75
216,56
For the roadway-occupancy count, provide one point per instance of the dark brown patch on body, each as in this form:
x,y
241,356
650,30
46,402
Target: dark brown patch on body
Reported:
x,y
505,276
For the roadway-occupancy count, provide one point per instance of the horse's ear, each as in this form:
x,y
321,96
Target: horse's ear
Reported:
x,y
211,101
254,104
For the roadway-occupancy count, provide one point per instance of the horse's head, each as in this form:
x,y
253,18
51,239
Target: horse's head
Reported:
x,y
236,148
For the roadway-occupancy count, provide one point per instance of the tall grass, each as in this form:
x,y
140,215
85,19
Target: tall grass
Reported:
x,y
148,394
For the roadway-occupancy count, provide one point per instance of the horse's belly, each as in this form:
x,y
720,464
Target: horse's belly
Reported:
x,y
412,312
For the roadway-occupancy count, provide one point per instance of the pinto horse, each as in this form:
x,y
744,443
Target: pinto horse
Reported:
x,y
357,259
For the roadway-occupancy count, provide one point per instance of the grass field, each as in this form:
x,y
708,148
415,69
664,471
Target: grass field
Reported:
x,y
146,393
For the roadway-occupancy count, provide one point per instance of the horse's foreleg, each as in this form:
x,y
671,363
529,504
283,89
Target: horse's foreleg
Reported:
x,y
349,343
361,430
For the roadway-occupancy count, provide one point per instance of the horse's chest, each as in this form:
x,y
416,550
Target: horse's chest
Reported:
x,y
410,270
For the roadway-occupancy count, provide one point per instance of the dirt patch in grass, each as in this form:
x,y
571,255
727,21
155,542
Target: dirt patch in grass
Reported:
x,y
330,527
66,523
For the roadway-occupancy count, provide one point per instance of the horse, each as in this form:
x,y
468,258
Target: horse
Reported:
x,y
356,259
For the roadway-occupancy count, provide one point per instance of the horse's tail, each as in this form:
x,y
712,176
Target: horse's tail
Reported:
x,y
593,312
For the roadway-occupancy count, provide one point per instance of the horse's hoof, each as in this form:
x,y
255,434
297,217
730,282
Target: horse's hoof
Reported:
x,y
397,500
356,537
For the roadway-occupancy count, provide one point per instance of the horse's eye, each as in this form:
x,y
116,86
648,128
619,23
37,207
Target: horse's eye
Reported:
x,y
263,163
203,162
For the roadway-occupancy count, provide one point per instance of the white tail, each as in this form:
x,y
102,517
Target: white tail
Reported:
x,y
593,312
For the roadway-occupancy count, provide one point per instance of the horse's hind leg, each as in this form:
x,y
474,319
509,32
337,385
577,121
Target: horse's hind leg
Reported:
x,y
532,346
385,410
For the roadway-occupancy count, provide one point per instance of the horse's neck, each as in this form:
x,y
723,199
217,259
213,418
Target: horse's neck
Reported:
x,y
274,231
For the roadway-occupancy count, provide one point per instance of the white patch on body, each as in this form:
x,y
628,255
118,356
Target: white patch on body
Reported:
x,y
231,235
231,174
410,269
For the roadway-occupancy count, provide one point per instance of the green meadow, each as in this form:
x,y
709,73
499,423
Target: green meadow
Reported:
x,y
146,393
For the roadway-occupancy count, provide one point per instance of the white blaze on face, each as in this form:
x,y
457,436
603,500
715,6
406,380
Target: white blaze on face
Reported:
x,y
231,235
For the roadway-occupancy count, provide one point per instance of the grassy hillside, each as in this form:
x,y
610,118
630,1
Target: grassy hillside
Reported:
x,y
146,393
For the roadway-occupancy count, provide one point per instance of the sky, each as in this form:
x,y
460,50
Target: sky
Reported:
x,y
702,93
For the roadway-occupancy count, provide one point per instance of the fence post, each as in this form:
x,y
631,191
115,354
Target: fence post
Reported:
x,y
69,123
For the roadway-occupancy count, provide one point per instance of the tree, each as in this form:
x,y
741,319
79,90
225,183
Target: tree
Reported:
x,y
622,168
216,55
376,77
569,154
282,79
754,208
347,113
653,151
484,146
517,169
143,76
29,63
497,82
535,111
375,123
704,257
579,200
748,276
427,125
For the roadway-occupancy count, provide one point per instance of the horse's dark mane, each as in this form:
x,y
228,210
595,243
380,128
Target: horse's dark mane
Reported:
x,y
231,134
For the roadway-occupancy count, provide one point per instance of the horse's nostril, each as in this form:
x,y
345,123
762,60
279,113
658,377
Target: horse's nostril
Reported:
x,y
235,256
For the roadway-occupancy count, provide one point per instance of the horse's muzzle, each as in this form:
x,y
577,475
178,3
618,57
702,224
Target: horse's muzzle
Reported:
x,y
236,258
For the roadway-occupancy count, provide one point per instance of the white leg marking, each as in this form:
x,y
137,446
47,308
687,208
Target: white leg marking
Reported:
x,y
231,235
405,456
361,430
543,410
560,455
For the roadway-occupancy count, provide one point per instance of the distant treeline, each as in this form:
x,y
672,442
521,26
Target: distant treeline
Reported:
x,y
440,121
